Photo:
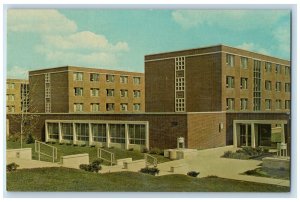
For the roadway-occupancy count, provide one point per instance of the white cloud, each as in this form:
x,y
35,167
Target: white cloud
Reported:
x,y
282,36
39,21
253,47
82,41
229,19
81,48
60,42
17,72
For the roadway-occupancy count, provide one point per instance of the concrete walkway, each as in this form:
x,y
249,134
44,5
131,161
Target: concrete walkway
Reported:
x,y
25,163
207,162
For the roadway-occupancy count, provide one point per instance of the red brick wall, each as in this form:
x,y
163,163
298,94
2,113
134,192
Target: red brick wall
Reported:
x,y
203,130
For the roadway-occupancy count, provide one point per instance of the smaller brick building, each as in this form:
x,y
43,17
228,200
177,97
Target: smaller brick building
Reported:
x,y
17,95
77,89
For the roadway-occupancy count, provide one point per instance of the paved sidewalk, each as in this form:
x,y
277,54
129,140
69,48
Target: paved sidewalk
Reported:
x,y
25,163
207,162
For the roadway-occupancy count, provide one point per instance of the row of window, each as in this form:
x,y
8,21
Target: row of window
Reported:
x,y
268,104
10,85
94,92
230,83
10,108
10,97
78,76
95,107
244,62
136,132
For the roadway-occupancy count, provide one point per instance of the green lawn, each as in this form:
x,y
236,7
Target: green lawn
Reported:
x,y
66,179
63,150
271,173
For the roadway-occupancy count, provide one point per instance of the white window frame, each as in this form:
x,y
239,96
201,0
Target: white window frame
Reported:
x,y
78,76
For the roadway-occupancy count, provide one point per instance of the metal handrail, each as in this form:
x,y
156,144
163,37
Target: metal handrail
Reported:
x,y
112,156
37,148
154,160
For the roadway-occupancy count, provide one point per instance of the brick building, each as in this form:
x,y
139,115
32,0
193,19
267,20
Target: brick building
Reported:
x,y
244,84
17,95
211,96
216,78
75,89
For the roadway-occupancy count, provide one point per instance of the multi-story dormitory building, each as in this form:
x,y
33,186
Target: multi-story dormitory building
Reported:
x,y
76,89
17,95
212,96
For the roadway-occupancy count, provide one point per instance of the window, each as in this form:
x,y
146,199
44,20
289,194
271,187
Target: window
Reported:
x,y
230,82
136,106
95,107
287,87
287,104
110,107
95,92
117,133
136,93
78,91
10,109
278,104
94,77
230,60
67,131
48,106
278,69
244,83
10,86
287,70
268,104
230,103
53,130
123,79
123,106
110,92
110,78
244,104
10,97
99,132
137,134
123,93
244,62
136,80
268,67
78,107
78,76
268,85
278,86
82,131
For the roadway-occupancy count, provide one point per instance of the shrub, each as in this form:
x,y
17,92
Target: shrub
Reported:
x,y
130,149
156,151
212,176
227,154
151,171
29,139
83,145
145,150
92,167
193,173
250,172
11,167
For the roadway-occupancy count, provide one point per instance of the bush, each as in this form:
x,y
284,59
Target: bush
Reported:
x,y
212,176
151,171
29,139
145,150
250,172
193,173
11,167
92,167
156,151
237,155
130,149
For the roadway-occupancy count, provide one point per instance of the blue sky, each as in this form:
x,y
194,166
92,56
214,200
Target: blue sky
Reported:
x,y
119,39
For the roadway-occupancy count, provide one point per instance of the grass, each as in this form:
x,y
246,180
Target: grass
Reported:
x,y
66,179
63,150
271,173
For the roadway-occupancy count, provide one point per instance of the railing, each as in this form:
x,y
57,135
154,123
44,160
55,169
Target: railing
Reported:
x,y
100,151
148,162
53,150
